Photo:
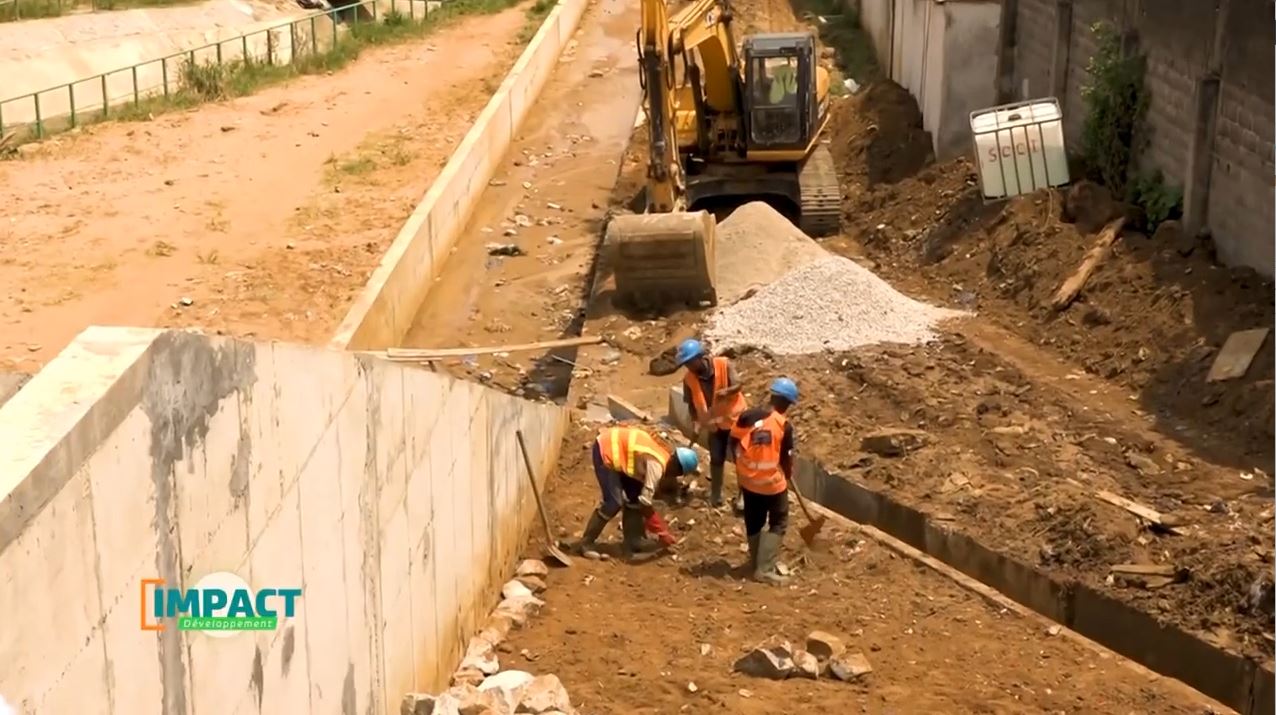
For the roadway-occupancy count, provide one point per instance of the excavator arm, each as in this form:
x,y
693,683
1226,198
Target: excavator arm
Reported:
x,y
700,30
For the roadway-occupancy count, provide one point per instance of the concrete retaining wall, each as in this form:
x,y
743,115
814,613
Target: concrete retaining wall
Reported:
x,y
393,496
383,313
39,54
944,54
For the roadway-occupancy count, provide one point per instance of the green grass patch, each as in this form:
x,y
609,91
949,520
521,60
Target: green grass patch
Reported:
x,y
203,82
840,29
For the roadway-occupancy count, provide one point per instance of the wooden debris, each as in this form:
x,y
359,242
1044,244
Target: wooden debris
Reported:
x,y
430,354
1071,287
1238,353
1144,569
1163,521
1147,576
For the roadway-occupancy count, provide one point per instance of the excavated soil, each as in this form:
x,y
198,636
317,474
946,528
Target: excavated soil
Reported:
x,y
632,638
1151,319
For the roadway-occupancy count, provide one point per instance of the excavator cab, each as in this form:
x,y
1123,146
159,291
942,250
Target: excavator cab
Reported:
x,y
781,112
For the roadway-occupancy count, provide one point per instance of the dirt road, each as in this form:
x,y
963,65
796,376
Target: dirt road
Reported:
x,y
261,216
629,639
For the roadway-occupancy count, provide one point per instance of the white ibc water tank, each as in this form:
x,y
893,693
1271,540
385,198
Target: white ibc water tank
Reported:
x,y
1020,147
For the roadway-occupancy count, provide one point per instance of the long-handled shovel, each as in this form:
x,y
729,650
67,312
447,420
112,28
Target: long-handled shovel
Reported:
x,y
813,523
554,552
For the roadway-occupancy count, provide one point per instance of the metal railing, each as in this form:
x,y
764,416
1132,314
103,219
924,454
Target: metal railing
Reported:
x,y
38,114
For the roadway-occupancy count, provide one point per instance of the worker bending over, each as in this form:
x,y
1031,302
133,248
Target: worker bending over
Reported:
x,y
629,463
711,390
762,443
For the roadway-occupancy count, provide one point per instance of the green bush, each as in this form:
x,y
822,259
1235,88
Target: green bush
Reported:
x,y
1116,106
1159,200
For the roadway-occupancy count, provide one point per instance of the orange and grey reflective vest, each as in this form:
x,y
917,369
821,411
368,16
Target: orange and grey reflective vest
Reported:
x,y
757,461
723,411
622,447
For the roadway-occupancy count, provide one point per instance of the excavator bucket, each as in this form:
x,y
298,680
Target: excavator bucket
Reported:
x,y
663,259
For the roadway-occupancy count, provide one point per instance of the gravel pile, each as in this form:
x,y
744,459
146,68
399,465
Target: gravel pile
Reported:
x,y
832,304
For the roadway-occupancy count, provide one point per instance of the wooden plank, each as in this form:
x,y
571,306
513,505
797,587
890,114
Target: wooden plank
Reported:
x,y
1144,569
427,354
1142,511
1237,355
1071,287
623,409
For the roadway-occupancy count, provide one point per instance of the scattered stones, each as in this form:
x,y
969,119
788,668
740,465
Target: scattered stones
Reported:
x,y
772,660
532,567
824,646
848,667
805,665
545,694
894,442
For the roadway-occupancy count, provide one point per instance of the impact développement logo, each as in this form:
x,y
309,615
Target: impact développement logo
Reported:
x,y
220,604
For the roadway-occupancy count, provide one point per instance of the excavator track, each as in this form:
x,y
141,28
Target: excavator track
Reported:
x,y
821,194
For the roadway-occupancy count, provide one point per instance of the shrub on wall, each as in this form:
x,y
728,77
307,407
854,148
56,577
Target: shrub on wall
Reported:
x,y
1116,105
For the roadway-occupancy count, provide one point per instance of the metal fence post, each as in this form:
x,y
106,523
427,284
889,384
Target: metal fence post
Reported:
x,y
374,11
292,43
105,99
219,52
70,91
164,73
314,36
246,58
136,98
270,47
39,122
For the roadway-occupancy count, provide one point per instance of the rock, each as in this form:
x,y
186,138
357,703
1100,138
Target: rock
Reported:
x,y
824,645
526,605
468,700
532,567
1142,464
772,660
417,704
480,655
545,694
467,676
805,665
515,589
496,629
894,442
535,584
509,685
847,667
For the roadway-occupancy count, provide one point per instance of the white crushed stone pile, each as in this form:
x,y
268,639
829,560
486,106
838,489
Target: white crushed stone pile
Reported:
x,y
832,304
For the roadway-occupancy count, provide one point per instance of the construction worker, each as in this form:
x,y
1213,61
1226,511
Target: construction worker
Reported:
x,y
762,443
711,390
629,463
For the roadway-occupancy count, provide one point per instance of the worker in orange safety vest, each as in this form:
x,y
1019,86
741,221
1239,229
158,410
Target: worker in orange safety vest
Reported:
x,y
629,463
762,444
711,390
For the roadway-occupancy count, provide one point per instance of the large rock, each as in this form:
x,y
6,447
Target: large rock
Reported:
x,y
469,700
849,667
824,646
545,694
496,629
805,665
467,676
535,584
772,660
417,704
532,567
509,685
480,655
514,588
895,442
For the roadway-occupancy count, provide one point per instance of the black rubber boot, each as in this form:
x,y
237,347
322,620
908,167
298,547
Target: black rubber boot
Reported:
x,y
753,553
768,556
597,522
715,485
634,531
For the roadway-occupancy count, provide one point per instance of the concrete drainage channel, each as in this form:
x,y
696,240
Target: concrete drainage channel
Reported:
x,y
1234,680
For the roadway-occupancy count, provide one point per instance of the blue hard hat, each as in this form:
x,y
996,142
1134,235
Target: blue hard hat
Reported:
x,y
688,350
687,459
786,388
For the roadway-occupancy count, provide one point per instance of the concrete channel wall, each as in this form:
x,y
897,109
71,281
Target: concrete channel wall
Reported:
x,y
944,54
383,312
395,497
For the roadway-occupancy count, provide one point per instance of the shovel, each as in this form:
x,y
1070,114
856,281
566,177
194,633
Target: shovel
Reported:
x,y
813,523
554,552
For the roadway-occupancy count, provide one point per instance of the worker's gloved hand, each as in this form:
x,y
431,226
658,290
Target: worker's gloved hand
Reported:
x,y
657,527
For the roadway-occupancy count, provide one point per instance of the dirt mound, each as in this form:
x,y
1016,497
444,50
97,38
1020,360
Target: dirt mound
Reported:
x,y
756,246
879,133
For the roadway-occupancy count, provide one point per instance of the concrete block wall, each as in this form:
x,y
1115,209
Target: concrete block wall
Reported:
x,y
1179,39
393,496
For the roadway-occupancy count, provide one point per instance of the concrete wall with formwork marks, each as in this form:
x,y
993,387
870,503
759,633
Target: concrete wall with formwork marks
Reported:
x,y
393,496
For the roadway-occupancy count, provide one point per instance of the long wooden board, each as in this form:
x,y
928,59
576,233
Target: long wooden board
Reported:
x,y
427,354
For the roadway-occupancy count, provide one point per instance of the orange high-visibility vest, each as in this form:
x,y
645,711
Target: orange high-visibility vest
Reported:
x,y
621,446
724,411
757,462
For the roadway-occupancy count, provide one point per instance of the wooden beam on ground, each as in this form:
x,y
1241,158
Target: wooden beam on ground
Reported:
x,y
1071,287
1142,511
429,354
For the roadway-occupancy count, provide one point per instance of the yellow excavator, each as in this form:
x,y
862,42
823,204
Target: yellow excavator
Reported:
x,y
725,121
